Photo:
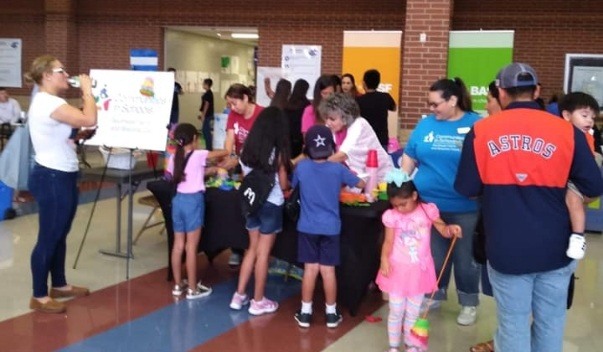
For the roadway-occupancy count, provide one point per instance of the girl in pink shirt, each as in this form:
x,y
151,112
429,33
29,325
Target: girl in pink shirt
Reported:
x,y
407,271
187,169
323,88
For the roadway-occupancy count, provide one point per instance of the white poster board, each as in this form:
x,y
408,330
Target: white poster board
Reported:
x,y
272,73
584,73
10,62
302,61
219,137
133,108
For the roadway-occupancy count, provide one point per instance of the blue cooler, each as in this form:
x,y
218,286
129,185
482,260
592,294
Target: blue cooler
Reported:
x,y
6,199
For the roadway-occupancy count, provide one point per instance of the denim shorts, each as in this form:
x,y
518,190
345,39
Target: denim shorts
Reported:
x,y
321,249
269,219
188,211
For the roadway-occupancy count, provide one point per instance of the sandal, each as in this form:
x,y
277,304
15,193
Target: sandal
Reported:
x,y
487,346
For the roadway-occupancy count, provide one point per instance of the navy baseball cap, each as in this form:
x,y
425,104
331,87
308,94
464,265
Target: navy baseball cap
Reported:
x,y
516,75
319,142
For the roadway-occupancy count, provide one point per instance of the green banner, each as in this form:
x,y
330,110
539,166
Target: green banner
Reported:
x,y
476,57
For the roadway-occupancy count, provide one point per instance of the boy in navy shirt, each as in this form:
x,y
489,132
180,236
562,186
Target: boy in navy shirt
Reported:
x,y
319,224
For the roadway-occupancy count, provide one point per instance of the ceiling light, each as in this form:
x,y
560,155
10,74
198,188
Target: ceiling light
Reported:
x,y
245,35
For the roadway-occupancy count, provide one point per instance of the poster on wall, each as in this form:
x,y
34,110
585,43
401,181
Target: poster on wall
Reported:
x,y
143,59
476,57
380,50
10,62
584,73
266,76
301,61
133,108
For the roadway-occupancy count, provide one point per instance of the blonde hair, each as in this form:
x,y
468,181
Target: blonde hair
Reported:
x,y
39,66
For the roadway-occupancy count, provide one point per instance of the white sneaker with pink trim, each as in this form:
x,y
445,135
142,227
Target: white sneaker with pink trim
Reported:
x,y
264,306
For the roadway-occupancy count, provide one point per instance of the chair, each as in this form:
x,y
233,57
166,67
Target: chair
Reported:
x,y
150,201
5,132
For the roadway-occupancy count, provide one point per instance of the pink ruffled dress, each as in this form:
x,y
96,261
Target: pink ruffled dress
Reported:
x,y
412,270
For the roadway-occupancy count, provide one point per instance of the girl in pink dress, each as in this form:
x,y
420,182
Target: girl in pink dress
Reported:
x,y
407,271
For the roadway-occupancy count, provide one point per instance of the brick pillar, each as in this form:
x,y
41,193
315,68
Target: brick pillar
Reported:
x,y
423,62
61,33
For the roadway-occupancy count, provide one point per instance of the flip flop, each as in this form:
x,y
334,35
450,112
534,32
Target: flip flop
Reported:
x,y
487,346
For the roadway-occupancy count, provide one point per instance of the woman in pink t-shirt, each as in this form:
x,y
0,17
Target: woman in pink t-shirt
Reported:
x,y
187,167
243,113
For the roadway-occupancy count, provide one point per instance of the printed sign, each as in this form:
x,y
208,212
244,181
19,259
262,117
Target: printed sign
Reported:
x,y
10,62
476,57
133,108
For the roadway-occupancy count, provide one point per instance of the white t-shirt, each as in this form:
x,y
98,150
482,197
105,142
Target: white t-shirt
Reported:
x,y
359,140
9,111
50,137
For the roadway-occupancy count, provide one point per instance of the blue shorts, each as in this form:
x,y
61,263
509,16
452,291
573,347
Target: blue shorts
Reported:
x,y
321,249
269,219
188,211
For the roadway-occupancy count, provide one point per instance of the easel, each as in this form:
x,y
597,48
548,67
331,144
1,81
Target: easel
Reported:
x,y
131,188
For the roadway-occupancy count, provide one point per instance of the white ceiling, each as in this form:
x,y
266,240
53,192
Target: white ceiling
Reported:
x,y
222,33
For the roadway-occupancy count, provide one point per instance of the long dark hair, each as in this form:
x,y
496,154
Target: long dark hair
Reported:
x,y
322,82
298,99
493,90
354,91
281,94
184,134
454,87
404,191
268,135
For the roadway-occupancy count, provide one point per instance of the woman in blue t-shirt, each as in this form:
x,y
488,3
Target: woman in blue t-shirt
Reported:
x,y
434,151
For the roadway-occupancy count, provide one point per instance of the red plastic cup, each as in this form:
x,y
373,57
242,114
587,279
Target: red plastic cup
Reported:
x,y
371,158
152,159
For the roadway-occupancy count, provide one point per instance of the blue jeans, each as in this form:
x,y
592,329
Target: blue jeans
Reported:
x,y
207,133
57,197
466,270
539,296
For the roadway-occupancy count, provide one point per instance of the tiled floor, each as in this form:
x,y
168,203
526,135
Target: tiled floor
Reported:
x,y
140,315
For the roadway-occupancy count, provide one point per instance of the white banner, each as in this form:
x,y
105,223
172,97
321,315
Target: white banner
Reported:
x,y
133,108
10,62
301,61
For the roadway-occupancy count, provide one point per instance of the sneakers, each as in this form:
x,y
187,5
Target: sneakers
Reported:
x,y
334,319
234,259
199,292
467,316
303,319
238,301
264,306
180,288
577,246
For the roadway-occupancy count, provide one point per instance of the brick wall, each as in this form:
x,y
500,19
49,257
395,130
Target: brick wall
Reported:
x,y
544,31
423,62
105,31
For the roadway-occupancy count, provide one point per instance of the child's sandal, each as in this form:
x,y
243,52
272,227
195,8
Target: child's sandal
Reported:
x,y
483,347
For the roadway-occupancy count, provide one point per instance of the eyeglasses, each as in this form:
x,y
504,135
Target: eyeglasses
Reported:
x,y
435,105
59,70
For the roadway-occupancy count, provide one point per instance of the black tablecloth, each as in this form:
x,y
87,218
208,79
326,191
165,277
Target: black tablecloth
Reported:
x,y
360,238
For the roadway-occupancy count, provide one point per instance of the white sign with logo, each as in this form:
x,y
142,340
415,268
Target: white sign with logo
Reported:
x,y
10,62
301,61
133,108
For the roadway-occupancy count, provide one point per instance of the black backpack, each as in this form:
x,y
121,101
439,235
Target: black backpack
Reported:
x,y
254,190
